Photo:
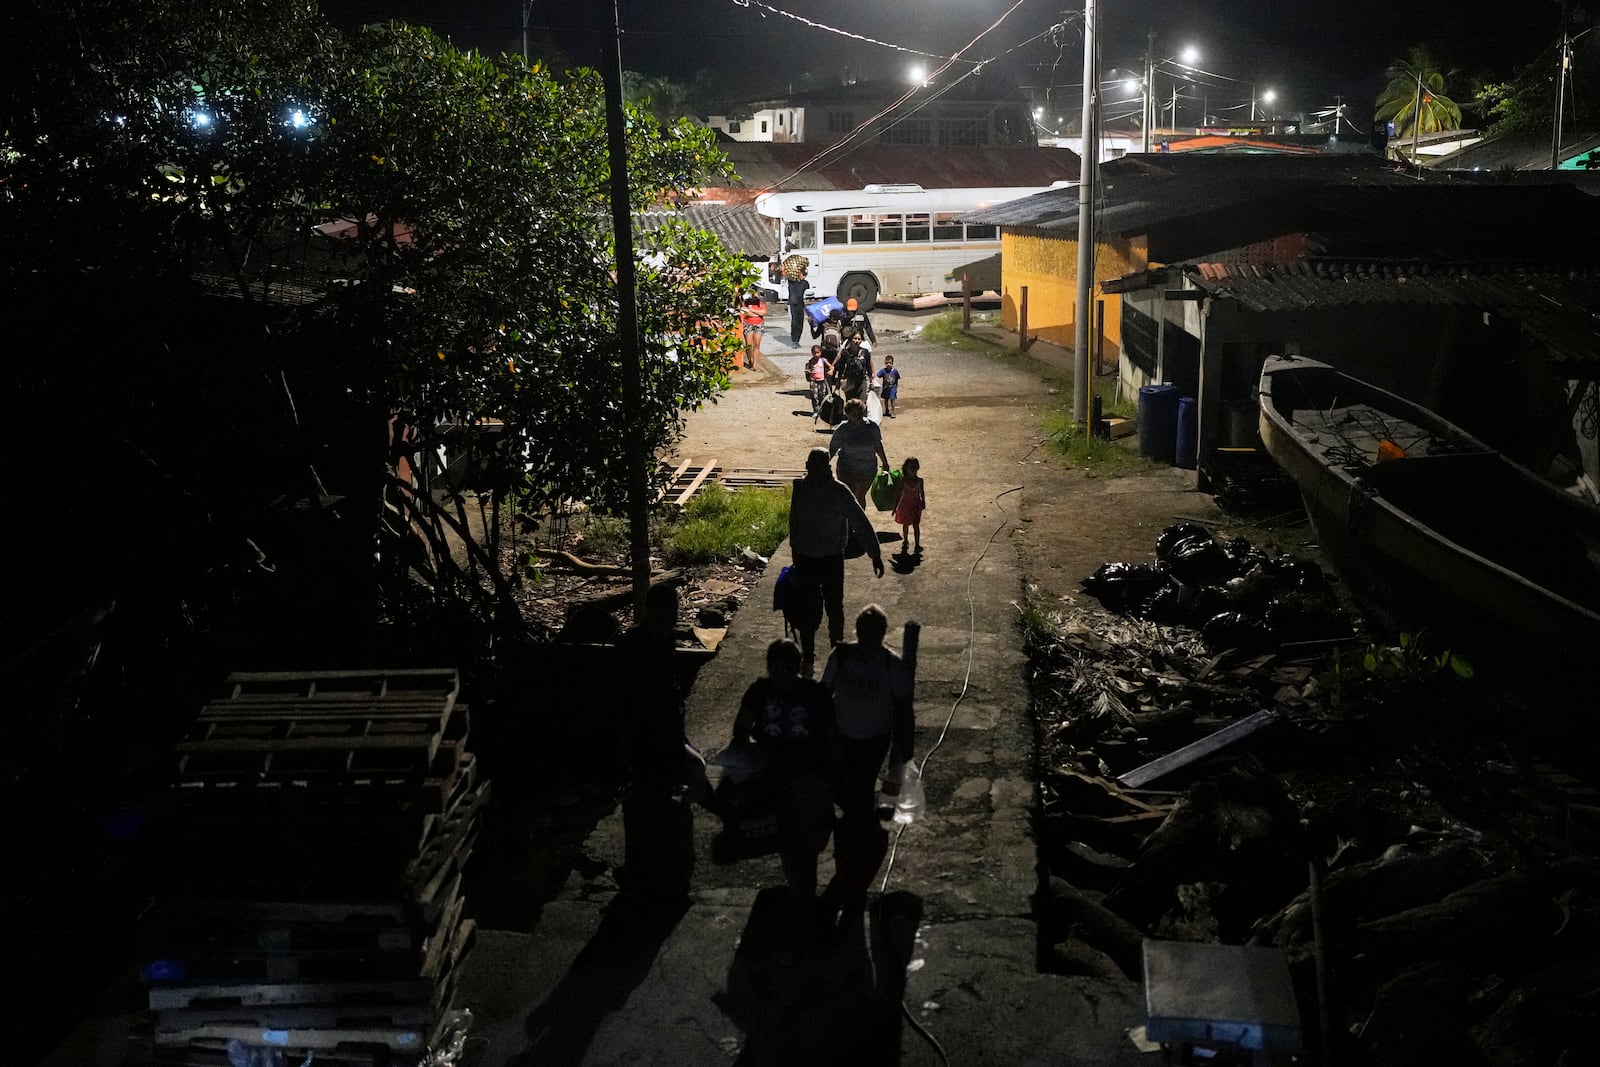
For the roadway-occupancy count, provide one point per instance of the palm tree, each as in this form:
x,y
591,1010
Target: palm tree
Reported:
x,y
1414,97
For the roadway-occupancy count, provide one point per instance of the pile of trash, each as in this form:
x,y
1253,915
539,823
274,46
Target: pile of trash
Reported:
x,y
1236,595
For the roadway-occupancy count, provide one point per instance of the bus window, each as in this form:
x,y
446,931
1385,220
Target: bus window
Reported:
x,y
863,229
891,228
836,230
917,227
800,236
980,233
945,226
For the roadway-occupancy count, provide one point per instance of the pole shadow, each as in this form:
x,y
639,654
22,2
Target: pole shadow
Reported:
x,y
833,1000
599,982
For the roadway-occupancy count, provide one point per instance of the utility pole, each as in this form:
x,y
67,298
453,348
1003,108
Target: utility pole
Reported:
x,y
1149,81
1416,125
1561,93
627,318
527,10
1088,179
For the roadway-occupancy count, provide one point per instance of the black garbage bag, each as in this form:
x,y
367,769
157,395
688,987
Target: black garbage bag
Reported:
x,y
1209,602
1168,540
1296,573
1200,561
1244,555
1299,617
1236,630
1170,605
1121,586
1250,592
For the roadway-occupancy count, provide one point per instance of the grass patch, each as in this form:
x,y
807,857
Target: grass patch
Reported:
x,y
604,536
945,329
716,523
1069,440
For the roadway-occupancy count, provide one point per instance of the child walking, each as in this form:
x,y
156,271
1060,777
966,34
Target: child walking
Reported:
x,y
912,502
889,385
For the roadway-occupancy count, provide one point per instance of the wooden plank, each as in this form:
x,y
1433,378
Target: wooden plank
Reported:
x,y
398,1039
673,481
1197,750
695,484
164,997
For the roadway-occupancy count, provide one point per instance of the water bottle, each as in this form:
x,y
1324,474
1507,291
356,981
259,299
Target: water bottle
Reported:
x,y
909,800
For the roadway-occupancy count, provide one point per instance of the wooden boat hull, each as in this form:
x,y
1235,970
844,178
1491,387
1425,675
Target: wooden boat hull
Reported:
x,y
1451,535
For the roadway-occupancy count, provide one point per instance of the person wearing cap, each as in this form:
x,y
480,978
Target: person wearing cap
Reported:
x,y
857,322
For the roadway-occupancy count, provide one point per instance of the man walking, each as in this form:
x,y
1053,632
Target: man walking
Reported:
x,y
822,515
794,269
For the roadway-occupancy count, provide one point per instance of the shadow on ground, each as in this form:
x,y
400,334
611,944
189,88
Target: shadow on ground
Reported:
x,y
836,1001
610,967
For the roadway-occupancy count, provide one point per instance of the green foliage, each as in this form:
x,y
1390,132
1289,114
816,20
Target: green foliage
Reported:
x,y
716,523
1384,674
605,536
154,147
1070,441
945,329
1414,98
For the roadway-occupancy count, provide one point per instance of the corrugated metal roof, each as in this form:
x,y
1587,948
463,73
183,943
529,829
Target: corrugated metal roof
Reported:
x,y
1520,151
737,226
1557,306
762,166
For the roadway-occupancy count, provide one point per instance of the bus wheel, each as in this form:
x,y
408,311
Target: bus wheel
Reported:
x,y
861,288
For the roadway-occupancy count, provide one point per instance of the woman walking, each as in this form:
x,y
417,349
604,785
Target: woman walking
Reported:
x,y
753,317
859,446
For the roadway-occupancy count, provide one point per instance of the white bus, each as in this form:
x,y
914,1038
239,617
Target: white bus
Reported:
x,y
894,240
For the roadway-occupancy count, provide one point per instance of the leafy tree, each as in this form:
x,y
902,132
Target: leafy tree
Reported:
x,y
1413,109
164,149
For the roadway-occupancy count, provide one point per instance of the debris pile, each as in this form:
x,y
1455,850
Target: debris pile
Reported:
x,y
1209,787
1236,595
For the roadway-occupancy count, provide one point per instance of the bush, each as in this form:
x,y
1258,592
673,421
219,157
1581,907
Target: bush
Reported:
x,y
716,523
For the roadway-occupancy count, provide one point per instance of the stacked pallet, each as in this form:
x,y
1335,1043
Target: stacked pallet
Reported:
x,y
309,867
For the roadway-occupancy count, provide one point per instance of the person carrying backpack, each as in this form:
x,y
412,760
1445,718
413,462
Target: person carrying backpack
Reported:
x,y
832,333
851,369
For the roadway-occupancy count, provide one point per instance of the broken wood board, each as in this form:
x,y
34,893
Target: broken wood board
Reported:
x,y
1197,750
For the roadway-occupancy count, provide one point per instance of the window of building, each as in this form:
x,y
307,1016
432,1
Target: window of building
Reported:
x,y
733,127
963,132
841,121
764,125
907,131
780,120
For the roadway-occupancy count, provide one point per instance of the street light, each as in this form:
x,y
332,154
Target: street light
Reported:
x,y
1188,58
1266,98
915,75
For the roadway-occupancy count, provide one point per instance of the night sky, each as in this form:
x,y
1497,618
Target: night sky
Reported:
x,y
1307,51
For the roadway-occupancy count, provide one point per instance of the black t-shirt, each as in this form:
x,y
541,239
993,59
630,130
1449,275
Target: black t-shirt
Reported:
x,y
792,729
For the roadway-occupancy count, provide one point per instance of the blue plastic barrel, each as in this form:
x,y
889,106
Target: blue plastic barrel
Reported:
x,y
1188,433
1158,421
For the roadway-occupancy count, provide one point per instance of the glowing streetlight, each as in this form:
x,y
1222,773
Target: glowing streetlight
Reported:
x,y
298,119
916,75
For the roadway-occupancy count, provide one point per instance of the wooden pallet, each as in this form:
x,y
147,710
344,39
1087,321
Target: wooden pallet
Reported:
x,y
690,476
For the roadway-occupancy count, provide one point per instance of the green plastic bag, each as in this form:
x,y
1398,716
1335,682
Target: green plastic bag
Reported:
x,y
885,490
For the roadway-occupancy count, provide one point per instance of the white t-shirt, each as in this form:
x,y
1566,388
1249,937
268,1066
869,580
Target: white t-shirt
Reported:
x,y
865,687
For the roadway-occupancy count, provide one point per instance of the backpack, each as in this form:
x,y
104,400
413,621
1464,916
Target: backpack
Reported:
x,y
851,368
832,335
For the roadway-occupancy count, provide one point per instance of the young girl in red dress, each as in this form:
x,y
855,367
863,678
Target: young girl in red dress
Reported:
x,y
912,501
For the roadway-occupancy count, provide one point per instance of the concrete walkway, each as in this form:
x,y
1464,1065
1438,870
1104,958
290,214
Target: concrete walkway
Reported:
x,y
950,951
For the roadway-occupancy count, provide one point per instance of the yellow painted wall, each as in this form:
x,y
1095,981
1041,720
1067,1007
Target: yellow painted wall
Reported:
x,y
1048,266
